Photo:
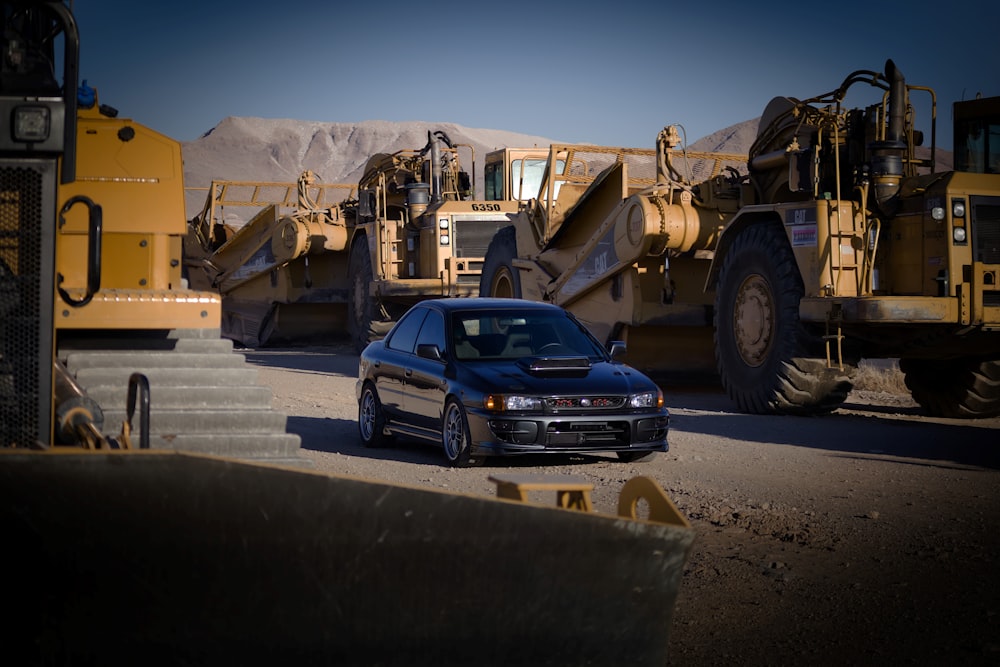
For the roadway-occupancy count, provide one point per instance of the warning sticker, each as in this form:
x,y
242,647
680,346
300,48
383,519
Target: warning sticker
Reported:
x,y
803,235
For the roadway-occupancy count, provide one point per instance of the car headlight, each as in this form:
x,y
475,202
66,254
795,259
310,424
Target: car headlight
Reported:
x,y
505,403
647,399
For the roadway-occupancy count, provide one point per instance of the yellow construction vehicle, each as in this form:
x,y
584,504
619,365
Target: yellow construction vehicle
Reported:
x,y
102,247
834,240
282,275
318,269
225,557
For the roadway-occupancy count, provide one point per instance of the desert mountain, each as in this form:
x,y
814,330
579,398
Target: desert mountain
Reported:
x,y
258,149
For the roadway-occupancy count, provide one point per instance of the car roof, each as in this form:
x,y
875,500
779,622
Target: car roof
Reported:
x,y
450,305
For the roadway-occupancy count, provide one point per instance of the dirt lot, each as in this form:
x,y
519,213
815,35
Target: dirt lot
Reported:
x,y
868,536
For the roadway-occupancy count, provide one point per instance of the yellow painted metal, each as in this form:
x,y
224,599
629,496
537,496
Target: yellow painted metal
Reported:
x,y
133,172
640,495
572,491
644,491
128,261
134,176
141,309
886,309
237,196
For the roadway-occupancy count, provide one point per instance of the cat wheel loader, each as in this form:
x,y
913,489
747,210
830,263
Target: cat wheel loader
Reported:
x,y
175,538
835,239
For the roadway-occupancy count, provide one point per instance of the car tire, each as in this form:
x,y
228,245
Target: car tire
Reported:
x,y
455,437
371,418
636,457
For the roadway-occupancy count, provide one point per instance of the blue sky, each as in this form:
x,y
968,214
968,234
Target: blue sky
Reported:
x,y
611,73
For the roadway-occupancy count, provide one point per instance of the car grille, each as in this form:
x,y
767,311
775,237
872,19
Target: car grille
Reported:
x,y
560,403
592,434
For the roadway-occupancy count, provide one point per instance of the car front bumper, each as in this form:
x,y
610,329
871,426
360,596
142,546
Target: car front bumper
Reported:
x,y
495,435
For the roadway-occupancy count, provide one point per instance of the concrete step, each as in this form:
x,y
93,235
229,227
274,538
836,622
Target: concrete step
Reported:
x,y
204,397
281,447
141,361
222,422
178,377
194,397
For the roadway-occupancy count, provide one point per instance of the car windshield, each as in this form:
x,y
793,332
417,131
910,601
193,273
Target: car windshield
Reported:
x,y
498,334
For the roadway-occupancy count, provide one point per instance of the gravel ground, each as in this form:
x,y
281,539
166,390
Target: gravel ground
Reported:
x,y
867,536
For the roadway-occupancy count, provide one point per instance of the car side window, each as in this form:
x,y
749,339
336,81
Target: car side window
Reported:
x,y
404,336
432,331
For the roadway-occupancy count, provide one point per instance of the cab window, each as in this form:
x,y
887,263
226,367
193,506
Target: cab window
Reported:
x,y
526,177
494,181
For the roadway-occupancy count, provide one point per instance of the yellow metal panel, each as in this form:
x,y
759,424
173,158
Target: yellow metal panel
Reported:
x,y
134,174
905,251
888,309
141,309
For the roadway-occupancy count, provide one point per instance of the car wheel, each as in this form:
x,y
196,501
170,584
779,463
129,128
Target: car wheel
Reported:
x,y
455,437
636,457
371,419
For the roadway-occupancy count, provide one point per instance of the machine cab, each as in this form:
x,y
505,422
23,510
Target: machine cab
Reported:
x,y
514,174
977,135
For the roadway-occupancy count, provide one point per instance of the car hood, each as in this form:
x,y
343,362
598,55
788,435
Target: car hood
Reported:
x,y
559,376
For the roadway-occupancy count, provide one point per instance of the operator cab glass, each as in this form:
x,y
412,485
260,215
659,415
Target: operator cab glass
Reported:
x,y
977,136
525,179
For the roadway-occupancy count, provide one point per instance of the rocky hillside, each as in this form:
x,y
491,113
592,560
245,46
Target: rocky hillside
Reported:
x,y
257,149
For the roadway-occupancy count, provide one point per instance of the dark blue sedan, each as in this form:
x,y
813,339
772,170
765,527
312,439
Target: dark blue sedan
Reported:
x,y
493,377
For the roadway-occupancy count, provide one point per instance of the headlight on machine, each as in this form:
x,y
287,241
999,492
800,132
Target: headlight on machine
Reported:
x,y
31,123
506,403
647,399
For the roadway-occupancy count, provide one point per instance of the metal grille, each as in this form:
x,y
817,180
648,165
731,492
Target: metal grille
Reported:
x,y
584,434
985,218
25,306
585,403
472,237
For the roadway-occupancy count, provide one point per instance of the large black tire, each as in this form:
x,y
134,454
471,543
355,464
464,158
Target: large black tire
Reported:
x,y
360,304
371,418
499,277
764,354
954,388
455,437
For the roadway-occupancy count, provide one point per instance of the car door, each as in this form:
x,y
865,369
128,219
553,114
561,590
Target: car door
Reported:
x,y
393,364
424,388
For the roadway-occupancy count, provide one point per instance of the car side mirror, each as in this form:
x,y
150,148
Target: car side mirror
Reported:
x,y
616,348
429,351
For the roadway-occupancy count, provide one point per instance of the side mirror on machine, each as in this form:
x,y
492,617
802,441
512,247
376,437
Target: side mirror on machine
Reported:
x,y
616,348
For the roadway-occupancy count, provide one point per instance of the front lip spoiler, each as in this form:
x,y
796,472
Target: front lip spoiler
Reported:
x,y
490,448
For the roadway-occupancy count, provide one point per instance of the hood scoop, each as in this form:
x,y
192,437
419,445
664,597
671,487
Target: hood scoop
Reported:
x,y
555,365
